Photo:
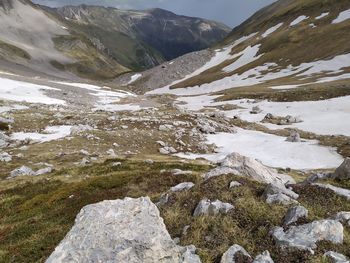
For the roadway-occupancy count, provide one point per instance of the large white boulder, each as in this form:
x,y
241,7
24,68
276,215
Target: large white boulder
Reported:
x,y
240,165
207,207
128,230
230,254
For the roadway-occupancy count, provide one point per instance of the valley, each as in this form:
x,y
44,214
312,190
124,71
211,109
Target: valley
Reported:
x,y
208,155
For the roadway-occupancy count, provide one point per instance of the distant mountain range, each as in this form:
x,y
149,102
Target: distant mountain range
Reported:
x,y
97,42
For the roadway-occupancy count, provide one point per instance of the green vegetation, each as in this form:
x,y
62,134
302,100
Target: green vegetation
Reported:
x,y
38,214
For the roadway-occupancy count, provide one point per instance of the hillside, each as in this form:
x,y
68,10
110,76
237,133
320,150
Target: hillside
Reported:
x,y
96,42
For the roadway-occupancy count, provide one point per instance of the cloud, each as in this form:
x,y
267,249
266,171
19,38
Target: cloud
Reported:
x,y
230,12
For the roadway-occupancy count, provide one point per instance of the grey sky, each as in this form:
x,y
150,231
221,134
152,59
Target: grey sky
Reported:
x,y
230,12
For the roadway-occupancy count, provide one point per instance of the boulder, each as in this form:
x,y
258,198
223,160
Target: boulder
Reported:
x,y
334,257
22,171
294,137
244,166
43,171
343,217
235,184
180,172
207,207
305,237
182,187
5,157
294,214
256,110
4,140
231,253
263,258
281,199
5,123
343,171
272,189
128,230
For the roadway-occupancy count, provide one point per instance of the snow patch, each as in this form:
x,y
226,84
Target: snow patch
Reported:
x,y
298,20
51,133
245,57
345,15
322,15
26,92
271,30
271,150
134,78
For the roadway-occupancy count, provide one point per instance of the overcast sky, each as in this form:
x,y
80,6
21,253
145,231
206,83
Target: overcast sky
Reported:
x,y
230,12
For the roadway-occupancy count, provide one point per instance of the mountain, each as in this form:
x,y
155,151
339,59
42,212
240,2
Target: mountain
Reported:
x,y
288,44
97,42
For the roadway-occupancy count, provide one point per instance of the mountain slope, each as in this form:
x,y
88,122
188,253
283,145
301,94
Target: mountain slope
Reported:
x,y
288,43
96,42
153,35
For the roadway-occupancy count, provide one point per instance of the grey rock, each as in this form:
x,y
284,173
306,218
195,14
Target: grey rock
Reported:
x,y
343,171
180,172
335,257
305,237
272,189
22,171
149,161
128,230
244,166
229,255
338,190
166,127
207,207
182,187
315,177
294,214
43,171
235,184
281,199
263,258
294,137
4,140
5,157
256,110
342,217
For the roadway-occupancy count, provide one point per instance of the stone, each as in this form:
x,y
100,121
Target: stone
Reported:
x,y
294,214
281,199
343,171
338,190
272,189
256,110
263,258
182,187
4,140
342,217
180,172
43,171
78,129
305,237
149,161
293,137
5,157
166,127
230,254
111,153
22,171
207,207
334,257
244,166
128,230
235,184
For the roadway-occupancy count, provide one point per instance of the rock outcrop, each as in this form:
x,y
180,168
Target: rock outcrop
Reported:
x,y
207,207
305,237
128,230
231,253
294,214
334,257
244,166
343,171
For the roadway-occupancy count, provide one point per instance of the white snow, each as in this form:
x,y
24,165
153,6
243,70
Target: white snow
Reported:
x,y
345,15
245,57
51,133
4,109
298,20
271,30
325,117
134,78
272,150
25,92
322,15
